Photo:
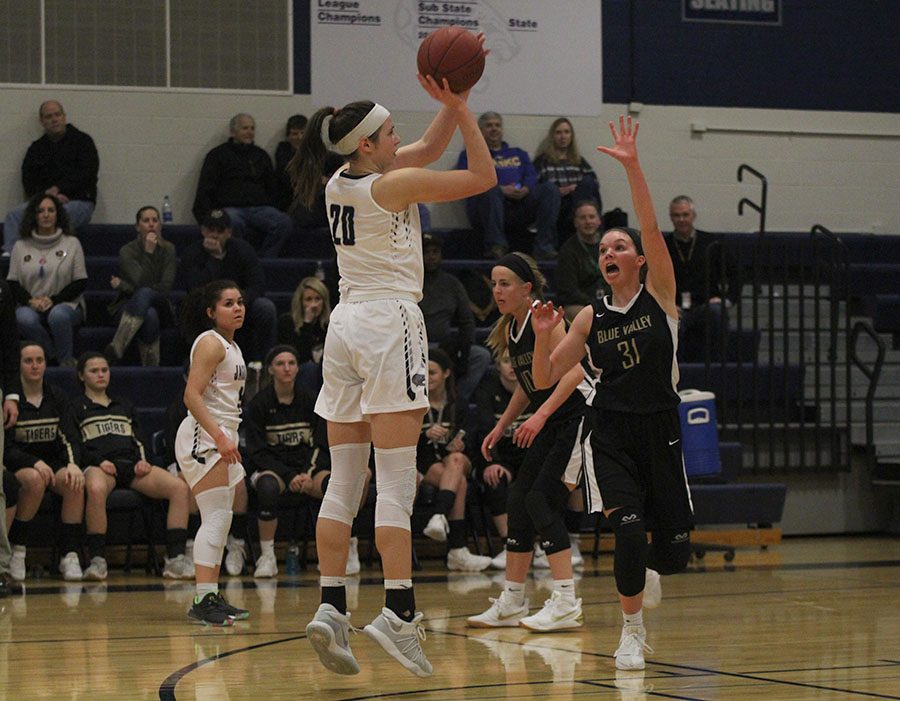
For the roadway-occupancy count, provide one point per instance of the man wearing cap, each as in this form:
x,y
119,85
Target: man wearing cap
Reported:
x,y
449,320
238,177
220,256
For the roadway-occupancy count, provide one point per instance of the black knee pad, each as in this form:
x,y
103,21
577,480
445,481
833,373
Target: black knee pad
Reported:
x,y
630,559
545,501
267,492
496,497
670,551
520,529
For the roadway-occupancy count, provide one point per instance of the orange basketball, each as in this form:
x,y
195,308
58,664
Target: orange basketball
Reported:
x,y
452,53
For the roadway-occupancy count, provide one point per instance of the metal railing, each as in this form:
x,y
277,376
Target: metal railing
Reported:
x,y
761,207
789,326
872,374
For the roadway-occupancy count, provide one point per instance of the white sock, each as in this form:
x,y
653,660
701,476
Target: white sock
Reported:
x,y
267,547
205,588
515,592
566,588
18,549
233,542
633,619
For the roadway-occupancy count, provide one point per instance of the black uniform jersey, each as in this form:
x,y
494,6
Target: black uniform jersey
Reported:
x,y
491,399
631,353
107,432
46,432
521,352
452,417
286,439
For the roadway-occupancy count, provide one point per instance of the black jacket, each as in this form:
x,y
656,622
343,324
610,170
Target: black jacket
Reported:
x,y
45,433
71,164
240,264
235,175
107,432
9,342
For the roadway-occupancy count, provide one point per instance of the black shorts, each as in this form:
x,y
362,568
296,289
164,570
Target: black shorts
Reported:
x,y
428,456
635,460
124,473
556,451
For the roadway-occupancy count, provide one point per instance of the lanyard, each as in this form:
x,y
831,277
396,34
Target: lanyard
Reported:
x,y
690,253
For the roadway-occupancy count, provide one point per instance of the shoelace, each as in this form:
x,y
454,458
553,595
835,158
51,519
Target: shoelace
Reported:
x,y
409,645
636,641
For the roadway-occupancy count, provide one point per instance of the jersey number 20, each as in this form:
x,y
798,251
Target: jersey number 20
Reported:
x,y
342,217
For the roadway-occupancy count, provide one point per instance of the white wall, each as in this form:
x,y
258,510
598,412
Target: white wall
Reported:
x,y
152,144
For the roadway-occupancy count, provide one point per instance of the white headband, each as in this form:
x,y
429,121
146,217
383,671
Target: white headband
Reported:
x,y
371,123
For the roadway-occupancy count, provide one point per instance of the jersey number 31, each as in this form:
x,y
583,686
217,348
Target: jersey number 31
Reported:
x,y
342,217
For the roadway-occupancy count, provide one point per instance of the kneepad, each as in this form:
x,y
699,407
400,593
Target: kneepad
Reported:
x,y
267,493
215,516
630,561
349,463
395,475
670,551
520,529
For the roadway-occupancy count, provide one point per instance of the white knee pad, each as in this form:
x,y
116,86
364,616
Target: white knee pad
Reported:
x,y
395,476
349,463
215,520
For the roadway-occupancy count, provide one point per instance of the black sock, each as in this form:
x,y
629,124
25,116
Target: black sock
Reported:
x,y
444,501
96,544
402,602
175,539
69,537
18,532
336,596
239,526
457,537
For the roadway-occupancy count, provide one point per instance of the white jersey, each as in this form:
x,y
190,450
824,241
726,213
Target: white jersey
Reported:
x,y
379,253
225,391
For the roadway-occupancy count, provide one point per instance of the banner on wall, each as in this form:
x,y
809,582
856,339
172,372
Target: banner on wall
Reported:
x,y
545,57
732,11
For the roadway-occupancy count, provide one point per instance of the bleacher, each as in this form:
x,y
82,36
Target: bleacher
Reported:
x,y
771,388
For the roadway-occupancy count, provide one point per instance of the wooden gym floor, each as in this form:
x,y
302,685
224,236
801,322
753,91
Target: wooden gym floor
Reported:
x,y
807,619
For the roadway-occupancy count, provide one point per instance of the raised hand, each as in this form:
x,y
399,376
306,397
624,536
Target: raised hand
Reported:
x,y
625,149
545,317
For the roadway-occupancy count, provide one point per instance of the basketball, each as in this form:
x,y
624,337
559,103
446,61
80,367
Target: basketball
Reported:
x,y
452,53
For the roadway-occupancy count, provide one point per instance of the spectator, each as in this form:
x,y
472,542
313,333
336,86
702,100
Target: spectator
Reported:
x,y
43,449
9,388
284,152
497,474
237,176
702,310
303,216
442,463
449,321
287,450
558,161
146,274
219,256
63,163
516,202
305,325
578,278
115,458
47,276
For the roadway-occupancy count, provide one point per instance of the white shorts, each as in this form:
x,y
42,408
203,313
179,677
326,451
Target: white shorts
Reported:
x,y
375,362
196,453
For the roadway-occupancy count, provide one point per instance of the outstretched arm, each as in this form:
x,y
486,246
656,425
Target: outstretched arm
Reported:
x,y
660,273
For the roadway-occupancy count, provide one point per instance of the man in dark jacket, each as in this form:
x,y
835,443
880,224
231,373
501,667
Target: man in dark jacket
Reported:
x,y
237,176
705,281
9,395
219,256
63,162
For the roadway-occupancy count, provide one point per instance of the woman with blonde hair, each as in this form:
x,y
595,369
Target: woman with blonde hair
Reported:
x,y
304,326
559,161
